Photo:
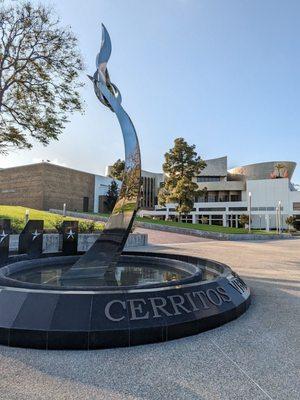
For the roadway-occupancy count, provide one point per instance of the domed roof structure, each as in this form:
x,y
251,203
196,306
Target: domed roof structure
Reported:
x,y
264,170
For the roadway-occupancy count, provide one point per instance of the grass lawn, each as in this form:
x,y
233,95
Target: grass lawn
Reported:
x,y
200,227
16,213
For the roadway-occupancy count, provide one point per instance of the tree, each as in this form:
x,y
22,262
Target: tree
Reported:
x,y
244,220
111,195
204,220
39,70
117,170
290,221
281,168
181,165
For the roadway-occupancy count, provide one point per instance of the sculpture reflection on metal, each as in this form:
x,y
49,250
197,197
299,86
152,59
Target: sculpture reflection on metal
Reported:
x,y
107,249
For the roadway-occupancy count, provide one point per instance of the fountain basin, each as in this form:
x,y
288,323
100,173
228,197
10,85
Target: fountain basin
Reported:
x,y
146,298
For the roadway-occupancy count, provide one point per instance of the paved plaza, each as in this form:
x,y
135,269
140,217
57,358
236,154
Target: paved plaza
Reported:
x,y
254,357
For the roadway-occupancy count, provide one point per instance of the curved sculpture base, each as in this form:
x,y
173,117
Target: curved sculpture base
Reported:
x,y
206,295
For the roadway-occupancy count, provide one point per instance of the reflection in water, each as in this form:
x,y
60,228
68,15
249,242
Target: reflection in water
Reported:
x,y
122,275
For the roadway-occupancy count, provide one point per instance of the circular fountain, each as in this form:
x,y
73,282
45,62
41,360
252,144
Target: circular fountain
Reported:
x,y
108,297
145,298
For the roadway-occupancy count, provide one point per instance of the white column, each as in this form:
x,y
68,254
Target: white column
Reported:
x,y
250,206
224,220
209,219
193,218
267,222
167,214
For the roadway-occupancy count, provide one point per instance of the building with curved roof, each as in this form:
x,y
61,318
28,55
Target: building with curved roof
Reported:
x,y
263,170
263,190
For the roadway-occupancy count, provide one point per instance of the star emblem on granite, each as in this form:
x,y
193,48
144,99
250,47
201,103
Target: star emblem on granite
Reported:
x,y
70,234
3,236
35,234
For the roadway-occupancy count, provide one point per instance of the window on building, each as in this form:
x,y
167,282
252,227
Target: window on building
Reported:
x,y
212,209
187,219
208,178
217,219
296,206
148,193
212,197
218,196
235,197
223,196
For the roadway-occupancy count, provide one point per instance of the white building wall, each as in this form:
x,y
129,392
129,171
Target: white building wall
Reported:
x,y
268,192
295,198
265,197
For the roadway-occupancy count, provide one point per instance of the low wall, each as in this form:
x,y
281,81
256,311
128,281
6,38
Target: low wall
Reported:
x,y
186,231
212,235
75,214
52,241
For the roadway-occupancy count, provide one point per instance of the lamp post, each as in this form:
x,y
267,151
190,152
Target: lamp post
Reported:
x,y
26,216
250,206
260,222
267,218
279,216
64,209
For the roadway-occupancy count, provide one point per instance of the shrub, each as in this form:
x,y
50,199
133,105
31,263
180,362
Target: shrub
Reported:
x,y
57,224
290,221
17,225
86,226
204,220
244,220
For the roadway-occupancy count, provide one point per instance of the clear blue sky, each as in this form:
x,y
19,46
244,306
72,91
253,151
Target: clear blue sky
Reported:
x,y
225,75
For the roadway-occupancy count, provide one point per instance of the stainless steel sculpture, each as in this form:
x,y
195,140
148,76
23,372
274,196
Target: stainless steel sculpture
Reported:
x,y
107,249
152,296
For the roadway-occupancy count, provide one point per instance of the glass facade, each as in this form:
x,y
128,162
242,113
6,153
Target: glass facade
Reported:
x,y
148,193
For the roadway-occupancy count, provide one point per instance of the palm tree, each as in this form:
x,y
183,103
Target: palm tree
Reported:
x,y
280,167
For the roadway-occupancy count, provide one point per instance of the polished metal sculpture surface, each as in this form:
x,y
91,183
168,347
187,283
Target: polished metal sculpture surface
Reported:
x,y
107,249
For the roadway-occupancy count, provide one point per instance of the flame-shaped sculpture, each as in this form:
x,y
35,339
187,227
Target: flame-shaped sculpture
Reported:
x,y
107,249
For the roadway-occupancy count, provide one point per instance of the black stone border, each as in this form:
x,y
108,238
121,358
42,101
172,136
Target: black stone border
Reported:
x,y
104,318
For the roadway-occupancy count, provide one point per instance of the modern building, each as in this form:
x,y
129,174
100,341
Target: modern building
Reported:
x,y
151,183
263,189
224,194
45,185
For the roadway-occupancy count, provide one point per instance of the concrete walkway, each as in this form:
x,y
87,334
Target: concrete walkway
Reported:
x,y
255,357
